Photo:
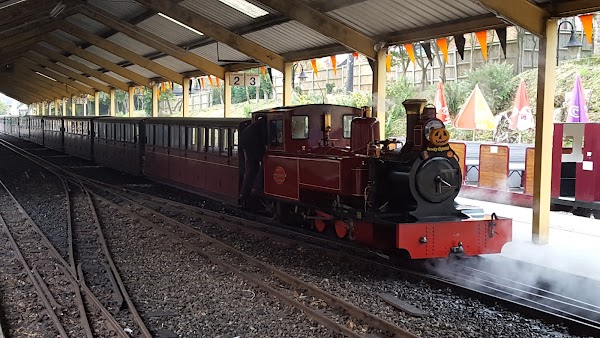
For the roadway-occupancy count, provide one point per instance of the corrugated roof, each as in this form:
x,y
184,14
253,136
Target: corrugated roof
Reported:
x,y
288,37
169,30
118,77
175,64
104,54
218,12
84,62
67,37
225,55
87,23
131,44
124,9
142,71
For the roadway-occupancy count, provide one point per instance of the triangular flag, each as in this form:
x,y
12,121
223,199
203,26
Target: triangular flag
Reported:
x,y
355,54
482,38
410,50
211,81
443,45
263,71
460,40
388,62
521,117
334,64
427,47
501,32
587,21
313,62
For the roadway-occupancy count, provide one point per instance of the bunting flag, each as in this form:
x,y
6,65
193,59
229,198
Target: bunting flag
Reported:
x,y
313,62
263,71
443,46
587,21
355,54
388,62
211,81
334,64
427,47
482,38
460,40
501,32
410,50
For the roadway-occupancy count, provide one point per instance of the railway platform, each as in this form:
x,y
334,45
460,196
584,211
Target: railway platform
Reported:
x,y
573,245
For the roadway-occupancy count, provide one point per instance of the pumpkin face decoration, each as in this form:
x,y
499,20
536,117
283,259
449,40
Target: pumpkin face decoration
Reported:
x,y
439,137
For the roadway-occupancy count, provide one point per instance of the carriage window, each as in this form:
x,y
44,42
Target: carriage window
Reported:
x,y
174,137
276,132
150,135
299,127
182,137
158,139
224,145
347,119
235,141
213,140
192,141
202,139
165,136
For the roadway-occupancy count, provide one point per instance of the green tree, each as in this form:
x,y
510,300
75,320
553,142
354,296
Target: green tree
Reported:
x,y
3,108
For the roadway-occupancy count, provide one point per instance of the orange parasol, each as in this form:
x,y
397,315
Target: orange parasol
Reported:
x,y
475,113
521,117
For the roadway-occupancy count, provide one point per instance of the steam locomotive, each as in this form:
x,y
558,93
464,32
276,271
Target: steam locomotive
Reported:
x,y
325,166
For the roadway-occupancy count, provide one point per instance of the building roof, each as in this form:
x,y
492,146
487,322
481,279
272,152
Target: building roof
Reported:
x,y
98,44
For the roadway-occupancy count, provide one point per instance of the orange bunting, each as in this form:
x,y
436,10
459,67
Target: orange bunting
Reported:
x,y
443,46
587,21
410,50
334,64
263,70
388,62
211,81
482,38
355,54
313,62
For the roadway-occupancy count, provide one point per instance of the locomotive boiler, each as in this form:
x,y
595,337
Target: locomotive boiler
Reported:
x,y
325,166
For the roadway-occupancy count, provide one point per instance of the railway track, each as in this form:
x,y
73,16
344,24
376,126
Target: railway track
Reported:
x,y
511,297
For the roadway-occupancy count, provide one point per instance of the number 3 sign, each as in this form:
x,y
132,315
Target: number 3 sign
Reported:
x,y
243,79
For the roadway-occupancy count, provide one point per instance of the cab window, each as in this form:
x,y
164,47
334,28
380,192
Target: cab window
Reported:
x,y
347,119
276,132
299,127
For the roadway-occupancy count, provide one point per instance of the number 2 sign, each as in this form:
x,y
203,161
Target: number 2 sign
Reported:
x,y
243,79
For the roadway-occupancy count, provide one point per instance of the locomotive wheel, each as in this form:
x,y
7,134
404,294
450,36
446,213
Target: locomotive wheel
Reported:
x,y
320,225
341,229
596,213
584,212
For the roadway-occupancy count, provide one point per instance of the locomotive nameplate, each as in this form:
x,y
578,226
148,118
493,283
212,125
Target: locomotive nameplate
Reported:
x,y
279,175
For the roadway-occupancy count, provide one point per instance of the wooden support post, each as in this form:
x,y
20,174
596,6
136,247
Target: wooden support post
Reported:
x,y
73,107
379,79
113,103
97,103
130,97
226,96
542,179
155,93
288,73
185,103
57,111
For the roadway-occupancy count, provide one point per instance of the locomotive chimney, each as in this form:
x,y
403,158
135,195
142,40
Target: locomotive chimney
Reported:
x,y
414,108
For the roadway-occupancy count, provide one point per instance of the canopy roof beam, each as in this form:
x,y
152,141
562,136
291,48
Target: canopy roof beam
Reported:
x,y
57,76
522,13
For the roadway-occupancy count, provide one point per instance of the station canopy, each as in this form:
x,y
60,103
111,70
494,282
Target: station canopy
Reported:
x,y
97,45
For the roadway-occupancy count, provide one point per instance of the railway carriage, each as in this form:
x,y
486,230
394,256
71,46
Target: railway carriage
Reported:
x,y
198,153
78,136
119,143
53,132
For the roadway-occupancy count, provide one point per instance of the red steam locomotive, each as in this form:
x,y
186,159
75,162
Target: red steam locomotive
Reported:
x,y
324,165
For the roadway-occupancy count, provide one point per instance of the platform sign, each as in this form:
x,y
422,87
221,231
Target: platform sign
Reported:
x,y
244,79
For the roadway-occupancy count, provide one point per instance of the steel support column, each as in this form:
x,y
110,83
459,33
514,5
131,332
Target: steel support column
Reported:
x,y
288,75
379,78
155,93
226,96
97,103
546,85
185,103
130,97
